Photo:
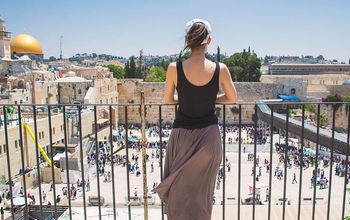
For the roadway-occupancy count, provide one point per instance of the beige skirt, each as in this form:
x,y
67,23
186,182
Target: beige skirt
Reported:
x,y
191,164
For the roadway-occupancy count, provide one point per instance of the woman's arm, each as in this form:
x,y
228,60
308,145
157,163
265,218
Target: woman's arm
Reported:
x,y
171,78
230,95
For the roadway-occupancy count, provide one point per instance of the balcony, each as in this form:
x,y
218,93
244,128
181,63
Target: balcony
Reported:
x,y
268,161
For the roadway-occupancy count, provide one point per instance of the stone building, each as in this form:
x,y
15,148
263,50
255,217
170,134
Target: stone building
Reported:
x,y
72,89
44,92
317,86
5,51
28,143
104,91
307,69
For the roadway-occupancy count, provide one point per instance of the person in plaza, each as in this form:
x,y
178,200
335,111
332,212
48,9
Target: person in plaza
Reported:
x,y
58,198
267,195
135,192
44,196
194,148
294,179
88,185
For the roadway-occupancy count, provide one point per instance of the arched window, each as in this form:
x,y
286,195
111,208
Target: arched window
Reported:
x,y
292,91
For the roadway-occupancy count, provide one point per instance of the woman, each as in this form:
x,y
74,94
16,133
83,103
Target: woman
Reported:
x,y
194,148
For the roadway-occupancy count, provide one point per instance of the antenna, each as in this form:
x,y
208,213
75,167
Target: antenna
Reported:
x,y
61,44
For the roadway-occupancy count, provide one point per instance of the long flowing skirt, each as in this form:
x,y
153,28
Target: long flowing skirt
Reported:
x,y
191,164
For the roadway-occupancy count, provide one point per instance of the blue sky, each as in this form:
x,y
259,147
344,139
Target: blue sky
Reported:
x,y
294,27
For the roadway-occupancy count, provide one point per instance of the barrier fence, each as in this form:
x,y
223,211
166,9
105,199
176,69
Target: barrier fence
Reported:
x,y
337,147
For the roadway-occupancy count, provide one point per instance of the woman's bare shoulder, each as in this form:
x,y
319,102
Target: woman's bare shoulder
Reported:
x,y
172,65
222,66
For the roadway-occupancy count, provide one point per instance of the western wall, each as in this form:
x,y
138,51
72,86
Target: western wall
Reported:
x,y
129,91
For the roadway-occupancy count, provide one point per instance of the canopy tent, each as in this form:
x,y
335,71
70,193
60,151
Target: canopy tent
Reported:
x,y
134,139
308,152
289,98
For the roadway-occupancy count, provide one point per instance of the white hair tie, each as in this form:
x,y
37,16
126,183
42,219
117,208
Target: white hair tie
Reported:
x,y
196,20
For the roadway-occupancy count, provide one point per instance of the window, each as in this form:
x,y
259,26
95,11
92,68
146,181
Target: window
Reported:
x,y
292,91
39,135
4,148
111,100
42,134
101,101
16,146
79,91
61,127
53,131
0,150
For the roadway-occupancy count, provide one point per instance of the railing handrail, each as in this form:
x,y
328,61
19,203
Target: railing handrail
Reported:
x,y
164,104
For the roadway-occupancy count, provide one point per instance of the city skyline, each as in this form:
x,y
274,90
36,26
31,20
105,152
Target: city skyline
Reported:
x,y
123,28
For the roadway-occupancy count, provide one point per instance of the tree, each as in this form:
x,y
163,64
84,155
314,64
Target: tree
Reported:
x,y
218,54
156,74
244,67
127,69
323,119
132,71
185,56
118,71
52,58
165,64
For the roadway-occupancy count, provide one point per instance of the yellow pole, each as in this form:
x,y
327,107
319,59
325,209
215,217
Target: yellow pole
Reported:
x,y
143,128
39,146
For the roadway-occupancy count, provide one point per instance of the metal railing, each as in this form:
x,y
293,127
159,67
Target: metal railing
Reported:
x,y
270,120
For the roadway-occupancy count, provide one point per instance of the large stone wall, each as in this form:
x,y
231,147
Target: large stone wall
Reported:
x,y
341,115
129,91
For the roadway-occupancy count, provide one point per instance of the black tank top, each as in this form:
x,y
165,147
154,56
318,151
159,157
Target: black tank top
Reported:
x,y
196,103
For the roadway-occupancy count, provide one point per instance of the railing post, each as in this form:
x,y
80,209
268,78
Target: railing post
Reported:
x,y
143,128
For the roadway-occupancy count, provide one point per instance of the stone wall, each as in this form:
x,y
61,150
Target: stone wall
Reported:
x,y
44,92
129,91
72,91
341,116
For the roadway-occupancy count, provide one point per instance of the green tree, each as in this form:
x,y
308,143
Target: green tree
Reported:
x,y
165,64
127,69
185,56
244,67
133,71
130,68
323,119
118,71
156,74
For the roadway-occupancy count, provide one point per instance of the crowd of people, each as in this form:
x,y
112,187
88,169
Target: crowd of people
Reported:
x,y
104,156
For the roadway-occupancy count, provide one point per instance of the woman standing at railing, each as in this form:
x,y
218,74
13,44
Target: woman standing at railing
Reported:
x,y
194,149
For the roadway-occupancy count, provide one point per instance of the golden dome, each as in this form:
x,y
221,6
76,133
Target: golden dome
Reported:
x,y
26,44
